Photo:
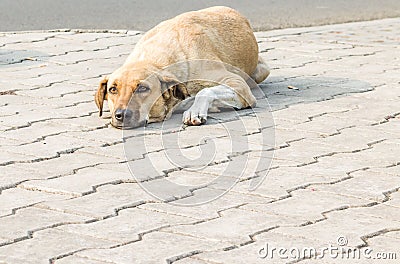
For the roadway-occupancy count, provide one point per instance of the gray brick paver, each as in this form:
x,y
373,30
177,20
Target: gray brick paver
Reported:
x,y
249,253
14,198
54,241
67,194
109,199
122,230
31,219
168,246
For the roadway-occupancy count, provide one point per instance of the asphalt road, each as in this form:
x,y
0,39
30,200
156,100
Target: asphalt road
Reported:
x,y
16,15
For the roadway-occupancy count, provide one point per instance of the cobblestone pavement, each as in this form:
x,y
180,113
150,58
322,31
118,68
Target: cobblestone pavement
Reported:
x,y
67,195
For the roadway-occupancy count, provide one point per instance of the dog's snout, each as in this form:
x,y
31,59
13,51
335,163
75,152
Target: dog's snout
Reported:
x,y
121,114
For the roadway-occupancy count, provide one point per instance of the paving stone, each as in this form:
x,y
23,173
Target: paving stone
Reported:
x,y
381,249
35,132
376,110
127,226
311,211
357,160
301,152
318,125
81,183
79,260
394,170
110,198
360,138
263,250
283,137
53,146
365,184
191,261
15,173
237,167
8,157
68,163
86,121
31,250
384,154
348,223
65,175
28,118
142,251
272,186
382,211
381,93
220,229
14,198
30,219
392,234
109,152
384,245
209,209
104,135
50,81
15,109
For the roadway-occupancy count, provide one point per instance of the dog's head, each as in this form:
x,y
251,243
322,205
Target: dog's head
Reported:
x,y
138,94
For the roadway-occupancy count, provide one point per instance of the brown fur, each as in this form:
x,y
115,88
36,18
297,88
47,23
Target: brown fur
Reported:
x,y
216,34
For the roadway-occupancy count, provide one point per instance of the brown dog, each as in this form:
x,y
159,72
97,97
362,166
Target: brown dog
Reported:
x,y
144,90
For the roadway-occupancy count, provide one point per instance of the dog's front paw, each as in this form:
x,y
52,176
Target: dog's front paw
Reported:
x,y
194,117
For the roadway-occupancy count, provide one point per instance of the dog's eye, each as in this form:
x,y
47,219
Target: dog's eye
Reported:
x,y
142,89
112,90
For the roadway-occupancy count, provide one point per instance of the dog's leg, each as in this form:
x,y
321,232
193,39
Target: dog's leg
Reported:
x,y
235,94
262,71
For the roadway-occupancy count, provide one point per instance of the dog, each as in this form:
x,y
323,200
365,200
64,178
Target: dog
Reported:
x,y
143,90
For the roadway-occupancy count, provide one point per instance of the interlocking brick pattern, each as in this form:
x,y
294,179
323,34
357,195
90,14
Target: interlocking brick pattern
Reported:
x,y
67,195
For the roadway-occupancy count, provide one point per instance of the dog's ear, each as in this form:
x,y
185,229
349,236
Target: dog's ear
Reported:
x,y
179,91
101,95
171,86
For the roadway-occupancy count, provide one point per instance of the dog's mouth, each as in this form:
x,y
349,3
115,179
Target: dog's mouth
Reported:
x,y
127,125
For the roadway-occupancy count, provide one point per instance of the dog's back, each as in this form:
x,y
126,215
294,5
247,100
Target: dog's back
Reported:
x,y
215,33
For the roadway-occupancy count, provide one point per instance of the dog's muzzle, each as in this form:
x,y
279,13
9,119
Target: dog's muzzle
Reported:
x,y
126,119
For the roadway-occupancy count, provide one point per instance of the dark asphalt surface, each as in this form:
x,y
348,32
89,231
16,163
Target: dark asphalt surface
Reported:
x,y
17,15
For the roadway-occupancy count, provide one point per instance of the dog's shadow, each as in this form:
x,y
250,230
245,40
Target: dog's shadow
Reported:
x,y
282,92
279,92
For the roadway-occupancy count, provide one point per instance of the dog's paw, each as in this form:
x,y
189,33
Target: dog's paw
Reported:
x,y
193,117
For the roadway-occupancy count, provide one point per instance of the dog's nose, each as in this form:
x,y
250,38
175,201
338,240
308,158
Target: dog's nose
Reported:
x,y
120,114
